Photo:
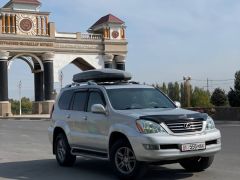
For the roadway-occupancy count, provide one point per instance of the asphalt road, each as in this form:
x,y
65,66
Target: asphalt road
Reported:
x,y
25,153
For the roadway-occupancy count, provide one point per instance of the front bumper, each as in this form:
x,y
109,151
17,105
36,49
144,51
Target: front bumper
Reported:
x,y
143,154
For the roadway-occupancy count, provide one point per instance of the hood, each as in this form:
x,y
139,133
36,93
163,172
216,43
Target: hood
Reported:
x,y
165,115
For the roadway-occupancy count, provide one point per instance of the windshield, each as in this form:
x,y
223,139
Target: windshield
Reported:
x,y
138,98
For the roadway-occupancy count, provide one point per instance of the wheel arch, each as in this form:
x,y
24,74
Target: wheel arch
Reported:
x,y
56,132
115,136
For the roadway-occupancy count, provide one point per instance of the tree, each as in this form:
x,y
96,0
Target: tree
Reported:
x,y
234,94
26,106
171,90
200,98
176,91
164,88
182,95
219,97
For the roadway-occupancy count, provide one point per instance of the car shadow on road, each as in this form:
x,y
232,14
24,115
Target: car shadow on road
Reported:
x,y
84,169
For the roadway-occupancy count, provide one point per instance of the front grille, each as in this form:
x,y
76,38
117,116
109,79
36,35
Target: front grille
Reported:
x,y
185,127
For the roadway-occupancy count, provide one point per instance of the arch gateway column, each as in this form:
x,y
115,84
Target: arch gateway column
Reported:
x,y
38,90
120,62
48,83
44,85
5,106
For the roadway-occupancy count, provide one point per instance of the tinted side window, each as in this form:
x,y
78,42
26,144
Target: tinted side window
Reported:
x,y
95,98
65,99
79,101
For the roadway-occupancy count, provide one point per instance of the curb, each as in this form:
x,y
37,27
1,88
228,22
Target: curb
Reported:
x,y
25,118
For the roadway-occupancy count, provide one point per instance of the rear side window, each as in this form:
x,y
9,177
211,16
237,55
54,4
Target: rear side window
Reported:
x,y
65,99
95,98
79,101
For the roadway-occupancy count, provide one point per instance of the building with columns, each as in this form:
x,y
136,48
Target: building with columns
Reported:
x,y
27,34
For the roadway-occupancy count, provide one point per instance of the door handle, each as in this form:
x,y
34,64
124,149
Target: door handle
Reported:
x,y
68,116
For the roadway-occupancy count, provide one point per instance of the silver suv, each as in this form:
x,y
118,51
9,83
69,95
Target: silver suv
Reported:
x,y
131,125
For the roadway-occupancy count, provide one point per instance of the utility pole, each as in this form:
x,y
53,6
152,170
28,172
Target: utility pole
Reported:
x,y
20,97
187,90
207,85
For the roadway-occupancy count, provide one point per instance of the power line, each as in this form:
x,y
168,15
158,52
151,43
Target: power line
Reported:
x,y
220,80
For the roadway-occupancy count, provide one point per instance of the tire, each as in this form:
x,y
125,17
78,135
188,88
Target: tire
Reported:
x,y
197,164
63,151
124,162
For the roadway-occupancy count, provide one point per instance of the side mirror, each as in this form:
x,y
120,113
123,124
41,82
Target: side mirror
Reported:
x,y
178,104
98,108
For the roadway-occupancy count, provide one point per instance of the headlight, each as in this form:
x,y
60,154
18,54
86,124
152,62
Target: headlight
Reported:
x,y
149,127
210,124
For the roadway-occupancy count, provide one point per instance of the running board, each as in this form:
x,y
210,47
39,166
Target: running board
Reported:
x,y
89,153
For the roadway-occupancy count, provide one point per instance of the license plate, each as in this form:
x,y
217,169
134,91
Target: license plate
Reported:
x,y
193,147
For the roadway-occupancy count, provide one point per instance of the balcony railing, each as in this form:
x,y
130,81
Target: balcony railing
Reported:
x,y
90,36
78,36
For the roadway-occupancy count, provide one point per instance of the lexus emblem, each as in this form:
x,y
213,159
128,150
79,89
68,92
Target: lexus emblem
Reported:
x,y
188,126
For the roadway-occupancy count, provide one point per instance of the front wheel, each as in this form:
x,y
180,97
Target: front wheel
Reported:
x,y
124,162
197,164
63,151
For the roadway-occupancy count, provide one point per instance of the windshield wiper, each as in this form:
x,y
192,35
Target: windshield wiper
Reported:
x,y
160,107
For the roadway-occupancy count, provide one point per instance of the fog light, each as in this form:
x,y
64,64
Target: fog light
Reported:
x,y
151,146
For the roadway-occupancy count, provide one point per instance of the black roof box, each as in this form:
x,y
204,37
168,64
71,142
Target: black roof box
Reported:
x,y
102,75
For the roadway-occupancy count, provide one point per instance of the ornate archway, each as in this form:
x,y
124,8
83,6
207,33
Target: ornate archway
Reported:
x,y
26,33
31,59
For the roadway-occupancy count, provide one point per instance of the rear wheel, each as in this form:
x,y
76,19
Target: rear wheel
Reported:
x,y
124,162
63,151
197,164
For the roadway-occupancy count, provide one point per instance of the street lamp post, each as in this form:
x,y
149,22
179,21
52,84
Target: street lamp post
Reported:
x,y
187,90
20,97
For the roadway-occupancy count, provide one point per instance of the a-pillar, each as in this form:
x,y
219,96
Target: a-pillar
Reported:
x,y
48,83
5,106
120,62
39,91
108,61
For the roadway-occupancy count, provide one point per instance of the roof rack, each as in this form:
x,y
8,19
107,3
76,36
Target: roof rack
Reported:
x,y
74,84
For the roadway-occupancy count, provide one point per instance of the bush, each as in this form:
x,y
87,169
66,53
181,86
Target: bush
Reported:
x,y
234,94
219,97
200,98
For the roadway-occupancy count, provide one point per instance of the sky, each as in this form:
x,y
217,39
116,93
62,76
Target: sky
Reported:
x,y
168,39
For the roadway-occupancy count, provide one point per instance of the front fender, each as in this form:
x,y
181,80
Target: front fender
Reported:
x,y
126,130
64,126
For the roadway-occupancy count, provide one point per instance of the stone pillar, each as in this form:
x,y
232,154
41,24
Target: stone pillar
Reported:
x,y
46,25
48,83
8,23
52,29
3,23
13,23
120,62
39,91
5,106
42,25
108,61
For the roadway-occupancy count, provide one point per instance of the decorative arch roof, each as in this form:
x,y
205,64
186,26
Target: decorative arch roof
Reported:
x,y
108,19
